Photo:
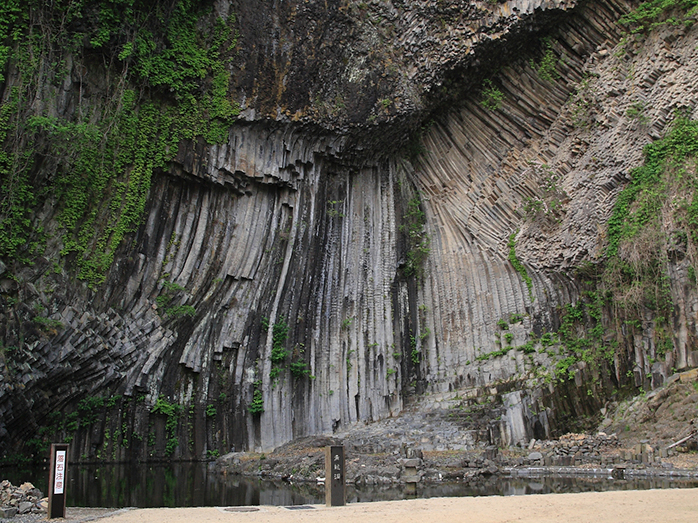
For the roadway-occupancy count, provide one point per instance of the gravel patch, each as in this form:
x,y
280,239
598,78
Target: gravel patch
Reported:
x,y
72,514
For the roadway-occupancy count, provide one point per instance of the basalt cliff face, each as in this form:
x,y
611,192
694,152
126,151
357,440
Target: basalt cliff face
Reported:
x,y
409,197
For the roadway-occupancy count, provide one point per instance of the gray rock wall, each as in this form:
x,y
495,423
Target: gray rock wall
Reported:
x,y
289,223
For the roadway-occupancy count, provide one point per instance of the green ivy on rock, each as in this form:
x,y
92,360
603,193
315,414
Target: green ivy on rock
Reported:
x,y
169,82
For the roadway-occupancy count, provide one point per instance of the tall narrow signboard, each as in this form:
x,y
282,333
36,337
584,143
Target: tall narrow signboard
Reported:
x,y
335,488
58,469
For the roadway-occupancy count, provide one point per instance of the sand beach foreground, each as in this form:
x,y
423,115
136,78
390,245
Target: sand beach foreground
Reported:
x,y
637,506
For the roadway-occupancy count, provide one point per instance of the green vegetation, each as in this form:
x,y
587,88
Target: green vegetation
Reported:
x,y
547,339
493,354
583,101
511,244
639,203
171,411
631,283
279,352
256,407
581,335
169,82
414,228
636,111
47,325
299,369
548,209
61,426
655,13
654,221
415,354
547,67
170,291
492,97
529,347
332,208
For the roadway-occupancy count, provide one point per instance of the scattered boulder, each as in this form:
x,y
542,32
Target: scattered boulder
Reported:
x,y
535,456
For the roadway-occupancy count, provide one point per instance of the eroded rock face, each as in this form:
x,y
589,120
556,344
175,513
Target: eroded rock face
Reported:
x,y
343,63
293,237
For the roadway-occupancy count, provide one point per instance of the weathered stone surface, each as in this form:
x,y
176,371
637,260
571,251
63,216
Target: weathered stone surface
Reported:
x,y
23,499
8,512
299,224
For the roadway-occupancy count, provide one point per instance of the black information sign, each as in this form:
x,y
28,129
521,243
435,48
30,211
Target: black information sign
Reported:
x,y
335,489
58,469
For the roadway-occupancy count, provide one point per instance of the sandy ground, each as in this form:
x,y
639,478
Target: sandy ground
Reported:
x,y
671,505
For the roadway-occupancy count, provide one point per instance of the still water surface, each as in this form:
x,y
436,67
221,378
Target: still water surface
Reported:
x,y
196,484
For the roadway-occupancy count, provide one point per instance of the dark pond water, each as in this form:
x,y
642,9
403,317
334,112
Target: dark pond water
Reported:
x,y
196,484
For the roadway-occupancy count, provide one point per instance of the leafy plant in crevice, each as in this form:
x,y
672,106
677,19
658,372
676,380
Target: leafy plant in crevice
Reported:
x,y
417,238
256,407
171,411
581,335
636,111
583,101
170,291
279,352
332,210
415,354
494,354
299,369
518,266
548,209
547,67
492,97
169,83
47,325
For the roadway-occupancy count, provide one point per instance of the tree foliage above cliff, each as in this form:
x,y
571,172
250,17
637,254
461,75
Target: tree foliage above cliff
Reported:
x,y
140,77
654,13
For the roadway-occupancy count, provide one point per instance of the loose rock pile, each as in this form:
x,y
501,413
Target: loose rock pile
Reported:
x,y
24,499
576,449
585,445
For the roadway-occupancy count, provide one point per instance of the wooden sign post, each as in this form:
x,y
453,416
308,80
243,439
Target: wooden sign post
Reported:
x,y
335,488
58,469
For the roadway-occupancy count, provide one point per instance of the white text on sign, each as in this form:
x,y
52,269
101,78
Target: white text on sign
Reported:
x,y
59,481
